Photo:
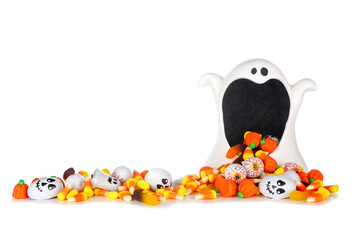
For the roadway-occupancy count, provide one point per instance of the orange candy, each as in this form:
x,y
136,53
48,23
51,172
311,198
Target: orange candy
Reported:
x,y
206,195
315,185
315,197
228,188
78,197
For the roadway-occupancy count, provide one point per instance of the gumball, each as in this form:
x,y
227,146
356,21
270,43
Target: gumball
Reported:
x,y
235,172
253,166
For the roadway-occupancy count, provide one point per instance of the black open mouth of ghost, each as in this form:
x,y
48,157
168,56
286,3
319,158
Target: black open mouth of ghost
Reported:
x,y
248,106
38,186
269,189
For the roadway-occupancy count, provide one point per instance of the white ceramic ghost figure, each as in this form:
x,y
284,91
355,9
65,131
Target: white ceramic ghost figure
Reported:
x,y
158,178
103,181
122,173
277,186
45,188
255,96
77,180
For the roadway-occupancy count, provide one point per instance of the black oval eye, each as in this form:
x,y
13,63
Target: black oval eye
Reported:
x,y
280,183
264,71
280,191
51,180
51,186
158,186
253,71
164,181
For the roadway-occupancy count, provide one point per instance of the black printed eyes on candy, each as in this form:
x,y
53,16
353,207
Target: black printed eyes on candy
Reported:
x,y
164,181
280,191
253,71
158,186
51,186
51,180
280,183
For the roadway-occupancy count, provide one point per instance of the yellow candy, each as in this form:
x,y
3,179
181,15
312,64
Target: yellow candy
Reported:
x,y
324,191
105,170
143,185
113,195
160,191
279,171
332,188
72,193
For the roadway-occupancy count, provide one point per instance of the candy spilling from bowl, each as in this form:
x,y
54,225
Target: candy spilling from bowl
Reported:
x,y
252,173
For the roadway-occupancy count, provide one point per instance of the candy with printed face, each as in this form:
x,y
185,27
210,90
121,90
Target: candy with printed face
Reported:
x,y
103,181
292,175
254,167
122,173
45,188
235,172
159,178
277,186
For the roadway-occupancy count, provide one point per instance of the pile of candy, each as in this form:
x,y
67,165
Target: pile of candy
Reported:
x,y
253,172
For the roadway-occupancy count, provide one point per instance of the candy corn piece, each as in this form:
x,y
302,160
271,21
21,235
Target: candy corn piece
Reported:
x,y
159,196
125,195
143,185
88,188
172,195
188,178
280,170
71,194
136,174
203,180
248,153
100,192
300,186
112,195
205,171
62,195
300,195
332,188
105,170
131,184
191,187
222,168
83,173
315,185
162,190
324,191
181,190
212,177
122,188
303,177
206,195
315,197
78,198
261,154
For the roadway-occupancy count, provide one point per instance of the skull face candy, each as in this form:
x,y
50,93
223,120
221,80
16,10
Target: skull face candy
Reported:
x,y
104,181
45,188
158,178
277,186
122,173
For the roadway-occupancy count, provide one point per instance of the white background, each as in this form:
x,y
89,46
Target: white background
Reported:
x,y
100,84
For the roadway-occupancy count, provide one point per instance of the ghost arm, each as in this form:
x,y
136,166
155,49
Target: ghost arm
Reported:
x,y
213,80
300,88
